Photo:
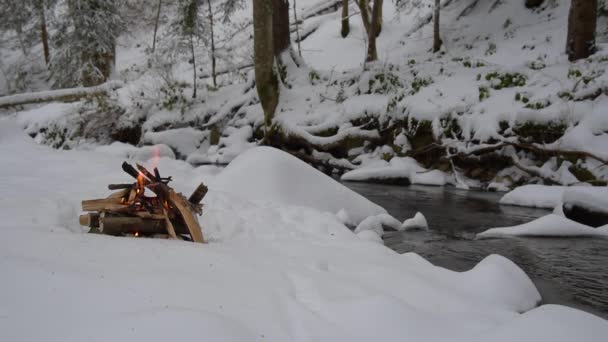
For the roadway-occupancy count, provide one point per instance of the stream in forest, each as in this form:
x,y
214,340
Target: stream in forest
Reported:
x,y
568,271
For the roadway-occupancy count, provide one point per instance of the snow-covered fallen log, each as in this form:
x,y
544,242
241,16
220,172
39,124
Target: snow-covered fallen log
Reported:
x,y
63,95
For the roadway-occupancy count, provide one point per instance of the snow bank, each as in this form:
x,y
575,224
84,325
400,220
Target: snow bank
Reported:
x,y
550,225
268,174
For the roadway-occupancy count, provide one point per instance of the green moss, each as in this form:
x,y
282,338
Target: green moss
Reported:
x,y
484,93
507,80
540,132
582,174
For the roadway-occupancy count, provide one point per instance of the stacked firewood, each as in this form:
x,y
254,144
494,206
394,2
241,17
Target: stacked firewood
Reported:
x,y
130,212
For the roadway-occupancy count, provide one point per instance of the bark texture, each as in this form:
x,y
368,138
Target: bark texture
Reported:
x,y
280,33
263,47
436,36
213,62
582,21
345,30
372,53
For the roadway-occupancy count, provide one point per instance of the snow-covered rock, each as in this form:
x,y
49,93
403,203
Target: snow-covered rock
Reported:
x,y
416,222
551,226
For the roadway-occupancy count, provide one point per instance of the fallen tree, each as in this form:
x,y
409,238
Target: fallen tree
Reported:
x,y
61,95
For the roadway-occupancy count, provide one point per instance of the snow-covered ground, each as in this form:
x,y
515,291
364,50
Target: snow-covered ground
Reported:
x,y
274,270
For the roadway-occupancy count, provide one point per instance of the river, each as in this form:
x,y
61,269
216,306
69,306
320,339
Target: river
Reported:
x,y
567,271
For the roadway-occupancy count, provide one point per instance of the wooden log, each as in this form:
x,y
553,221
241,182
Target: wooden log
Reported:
x,y
120,194
198,194
120,186
117,225
63,95
89,220
184,207
104,204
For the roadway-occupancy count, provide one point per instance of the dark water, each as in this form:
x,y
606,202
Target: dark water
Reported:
x,y
568,271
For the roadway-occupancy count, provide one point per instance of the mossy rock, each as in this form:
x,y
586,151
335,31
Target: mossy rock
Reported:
x,y
582,174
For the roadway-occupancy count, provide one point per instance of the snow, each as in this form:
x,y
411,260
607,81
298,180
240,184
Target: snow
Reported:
x,y
268,174
397,168
596,201
542,196
273,271
552,225
416,222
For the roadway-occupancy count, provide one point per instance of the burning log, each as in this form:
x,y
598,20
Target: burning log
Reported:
x,y
129,212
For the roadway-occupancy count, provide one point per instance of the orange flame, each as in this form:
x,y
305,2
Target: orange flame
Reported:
x,y
136,234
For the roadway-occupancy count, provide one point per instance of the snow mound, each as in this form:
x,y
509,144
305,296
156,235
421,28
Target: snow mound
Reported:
x,y
551,225
416,222
269,174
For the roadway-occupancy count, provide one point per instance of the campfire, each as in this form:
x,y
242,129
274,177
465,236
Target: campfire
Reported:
x,y
129,212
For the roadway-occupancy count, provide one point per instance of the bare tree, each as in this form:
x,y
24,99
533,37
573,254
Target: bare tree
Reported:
x,y
44,33
582,21
295,18
372,52
211,33
372,24
345,30
160,5
436,37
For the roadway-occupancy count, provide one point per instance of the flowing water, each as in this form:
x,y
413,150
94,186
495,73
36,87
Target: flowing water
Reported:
x,y
568,271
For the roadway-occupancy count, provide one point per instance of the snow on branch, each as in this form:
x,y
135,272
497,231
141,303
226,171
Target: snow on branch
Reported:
x,y
65,95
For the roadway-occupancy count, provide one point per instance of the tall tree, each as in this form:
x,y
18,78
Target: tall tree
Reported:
x,y
266,80
191,27
156,22
375,26
345,30
271,39
436,37
280,21
582,21
211,33
372,21
86,43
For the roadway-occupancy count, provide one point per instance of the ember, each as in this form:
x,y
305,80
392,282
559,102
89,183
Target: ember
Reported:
x,y
129,212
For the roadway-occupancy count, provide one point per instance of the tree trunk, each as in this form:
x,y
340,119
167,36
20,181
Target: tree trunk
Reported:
x,y
582,21
263,47
372,53
280,33
213,73
193,66
44,34
436,37
295,18
364,9
160,4
379,22
345,21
